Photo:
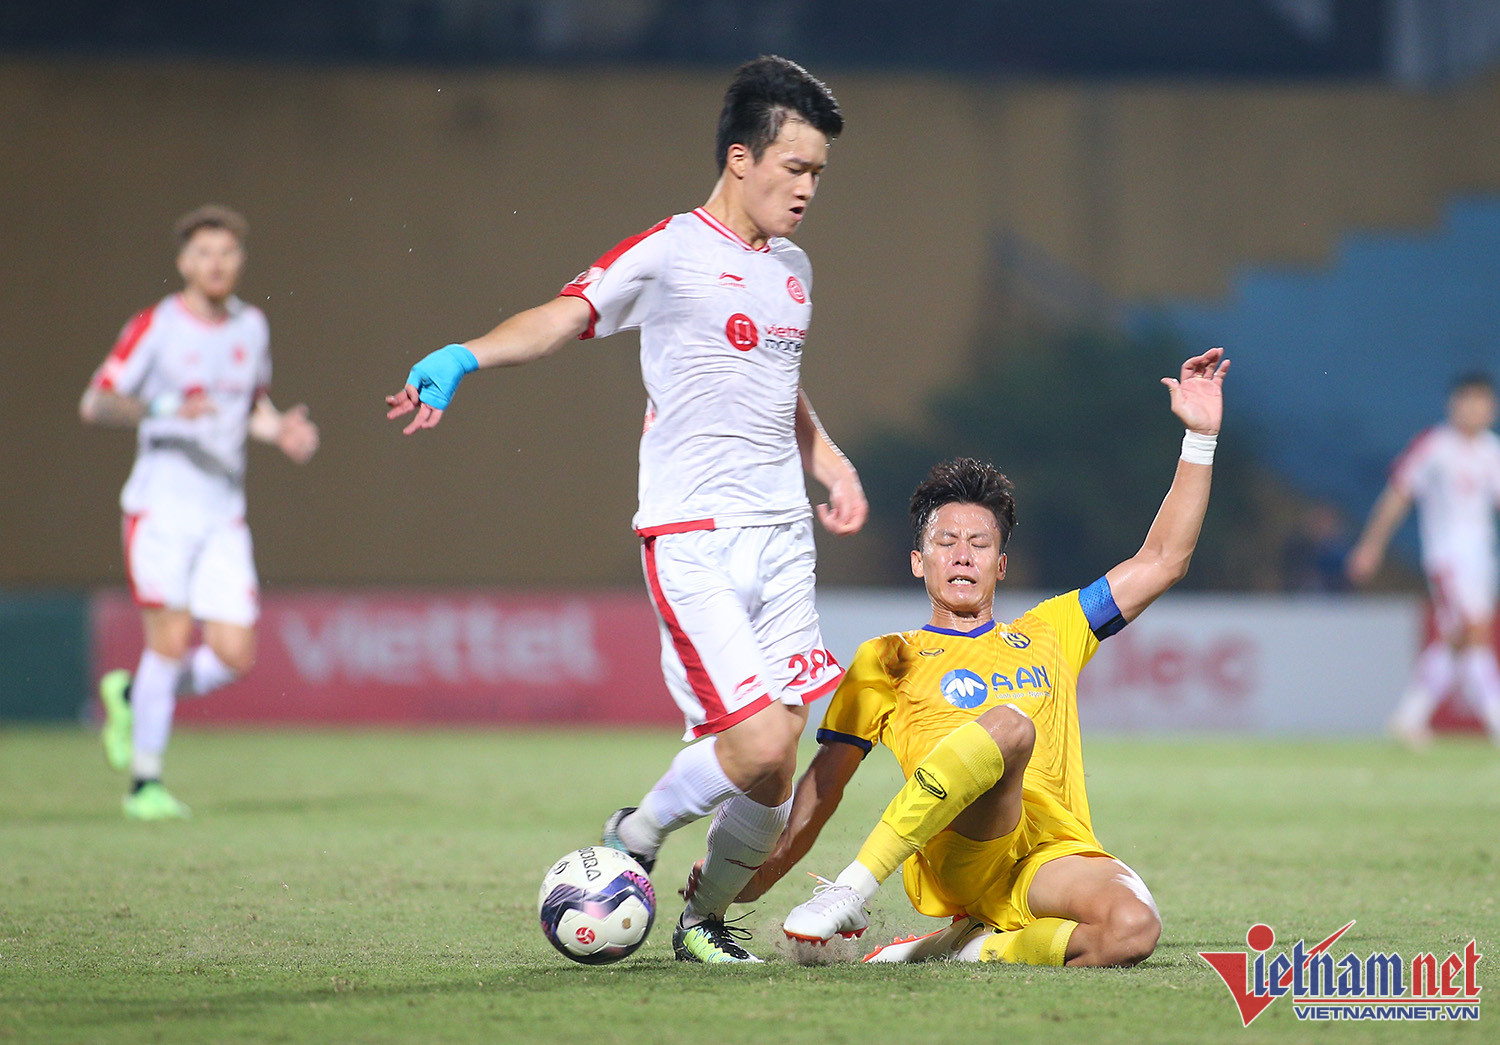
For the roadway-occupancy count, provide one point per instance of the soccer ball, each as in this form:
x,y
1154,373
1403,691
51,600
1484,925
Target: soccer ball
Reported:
x,y
596,905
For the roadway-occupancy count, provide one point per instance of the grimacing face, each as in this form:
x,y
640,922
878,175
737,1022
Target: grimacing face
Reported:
x,y
960,560
210,262
777,188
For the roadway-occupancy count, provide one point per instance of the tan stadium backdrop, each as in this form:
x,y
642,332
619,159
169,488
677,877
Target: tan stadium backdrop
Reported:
x,y
396,210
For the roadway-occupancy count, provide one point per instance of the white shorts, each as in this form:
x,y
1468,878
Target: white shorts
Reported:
x,y
1462,593
739,630
206,567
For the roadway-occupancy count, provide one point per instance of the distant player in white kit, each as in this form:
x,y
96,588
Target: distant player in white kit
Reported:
x,y
1452,473
190,375
723,301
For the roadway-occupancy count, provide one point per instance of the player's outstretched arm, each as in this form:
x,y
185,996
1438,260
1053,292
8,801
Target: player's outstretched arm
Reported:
x,y
526,336
846,508
818,794
1198,401
1385,519
100,406
289,430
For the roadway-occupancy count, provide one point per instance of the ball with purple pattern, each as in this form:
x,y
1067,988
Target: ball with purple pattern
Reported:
x,y
596,905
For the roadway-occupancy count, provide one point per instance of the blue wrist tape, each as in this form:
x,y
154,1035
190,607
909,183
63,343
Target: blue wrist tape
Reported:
x,y
437,374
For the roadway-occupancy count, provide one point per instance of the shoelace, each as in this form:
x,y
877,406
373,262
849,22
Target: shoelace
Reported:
x,y
821,901
725,933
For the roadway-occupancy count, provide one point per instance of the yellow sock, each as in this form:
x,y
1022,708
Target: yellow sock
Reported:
x,y
962,767
1043,942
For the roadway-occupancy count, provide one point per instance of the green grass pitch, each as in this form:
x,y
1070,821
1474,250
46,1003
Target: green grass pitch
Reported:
x,y
381,887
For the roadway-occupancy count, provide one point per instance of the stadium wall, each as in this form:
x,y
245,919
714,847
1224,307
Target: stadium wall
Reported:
x,y
394,210
1195,663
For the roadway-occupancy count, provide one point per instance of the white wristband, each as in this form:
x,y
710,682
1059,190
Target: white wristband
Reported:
x,y
165,405
1198,448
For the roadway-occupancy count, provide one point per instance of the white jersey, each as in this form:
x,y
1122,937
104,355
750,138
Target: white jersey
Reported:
x,y
190,466
1455,482
722,326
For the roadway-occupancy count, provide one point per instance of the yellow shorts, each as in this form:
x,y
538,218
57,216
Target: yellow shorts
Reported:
x,y
990,880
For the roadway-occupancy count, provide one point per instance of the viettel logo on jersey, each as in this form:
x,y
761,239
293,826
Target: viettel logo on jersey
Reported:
x,y
1375,987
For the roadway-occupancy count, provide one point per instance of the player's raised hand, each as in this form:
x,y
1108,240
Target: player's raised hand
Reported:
x,y
430,387
297,436
1198,392
847,508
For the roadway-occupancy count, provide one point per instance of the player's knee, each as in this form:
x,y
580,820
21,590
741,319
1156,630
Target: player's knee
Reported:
x,y
1013,732
1134,929
238,657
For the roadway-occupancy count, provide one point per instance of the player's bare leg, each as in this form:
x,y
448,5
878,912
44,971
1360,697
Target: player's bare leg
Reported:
x,y
226,653
1479,673
1117,920
971,782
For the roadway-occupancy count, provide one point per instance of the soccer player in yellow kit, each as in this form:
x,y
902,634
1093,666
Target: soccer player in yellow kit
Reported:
x,y
993,824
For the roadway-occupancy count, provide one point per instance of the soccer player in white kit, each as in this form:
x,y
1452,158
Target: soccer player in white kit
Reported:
x,y
723,301
1452,473
190,375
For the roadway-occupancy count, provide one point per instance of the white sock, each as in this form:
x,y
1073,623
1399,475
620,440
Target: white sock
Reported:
x,y
858,877
1431,679
743,834
153,698
205,673
692,788
1481,675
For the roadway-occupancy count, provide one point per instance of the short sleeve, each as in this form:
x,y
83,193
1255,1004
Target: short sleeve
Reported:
x,y
124,369
1081,619
618,286
1410,470
862,703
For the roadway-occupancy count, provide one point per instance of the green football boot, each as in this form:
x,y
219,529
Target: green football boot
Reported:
x,y
117,718
713,942
154,802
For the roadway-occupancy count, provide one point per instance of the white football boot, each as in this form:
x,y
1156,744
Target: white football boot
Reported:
x,y
933,946
834,910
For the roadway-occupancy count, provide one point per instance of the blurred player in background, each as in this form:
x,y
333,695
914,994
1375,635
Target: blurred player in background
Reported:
x,y
1452,473
723,301
190,375
993,824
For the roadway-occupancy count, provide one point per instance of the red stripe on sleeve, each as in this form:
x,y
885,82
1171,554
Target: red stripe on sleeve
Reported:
x,y
1399,466
129,338
580,283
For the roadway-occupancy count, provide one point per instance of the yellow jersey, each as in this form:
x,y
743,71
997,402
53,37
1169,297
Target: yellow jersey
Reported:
x,y
911,689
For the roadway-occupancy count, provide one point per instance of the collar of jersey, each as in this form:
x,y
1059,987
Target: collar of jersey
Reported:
x,y
724,230
983,629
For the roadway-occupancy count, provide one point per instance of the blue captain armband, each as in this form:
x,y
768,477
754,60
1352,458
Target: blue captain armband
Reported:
x,y
833,736
437,374
1099,609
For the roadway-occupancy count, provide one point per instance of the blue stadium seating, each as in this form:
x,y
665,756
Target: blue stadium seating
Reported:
x,y
1337,367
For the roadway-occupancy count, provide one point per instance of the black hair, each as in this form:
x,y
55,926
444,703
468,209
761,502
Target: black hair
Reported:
x,y
764,93
963,480
1474,380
